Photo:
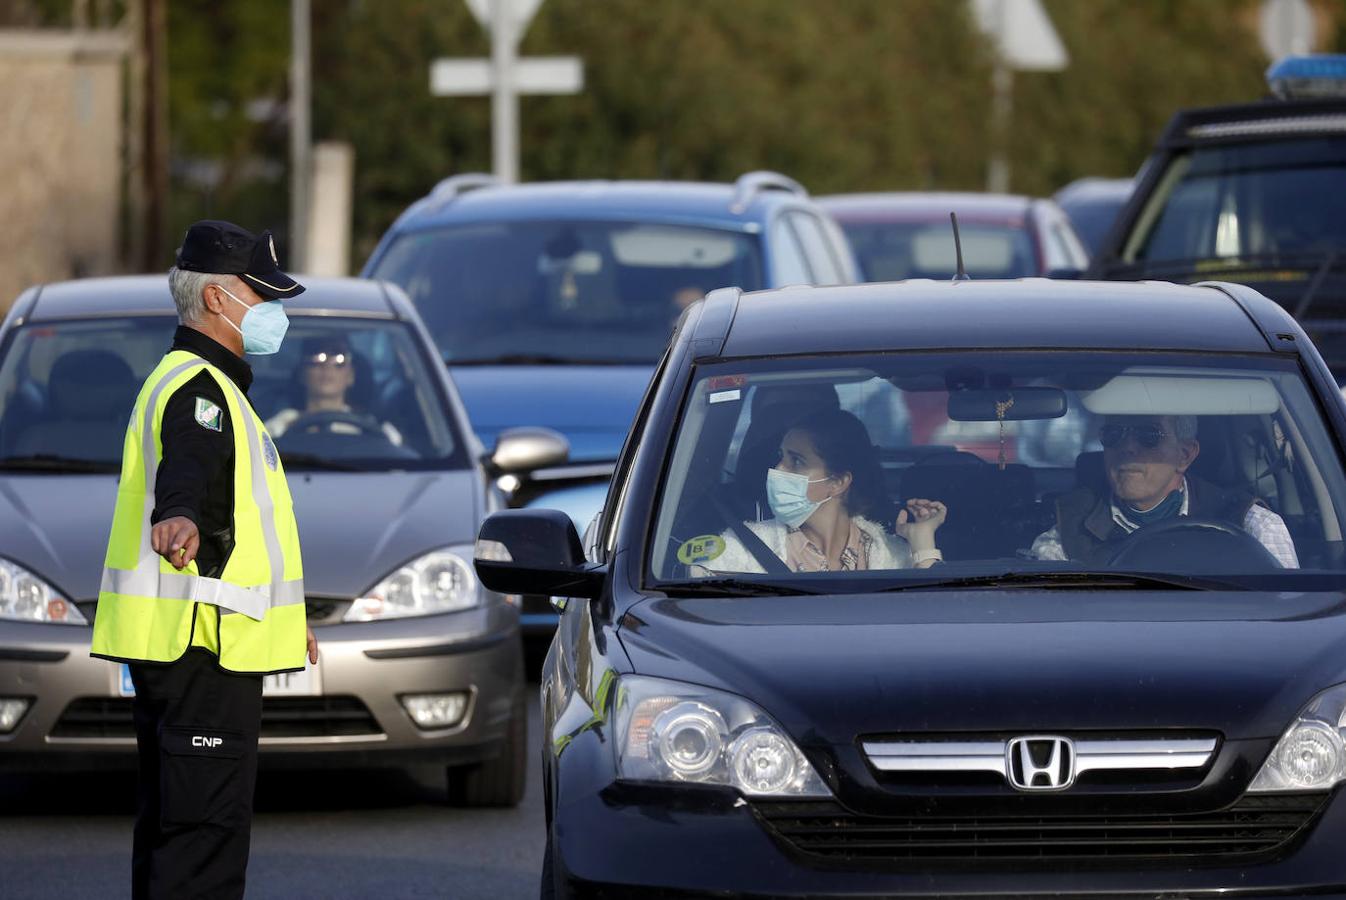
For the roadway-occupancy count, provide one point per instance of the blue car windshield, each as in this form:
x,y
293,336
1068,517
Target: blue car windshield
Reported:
x,y
1182,465
563,292
1255,201
341,394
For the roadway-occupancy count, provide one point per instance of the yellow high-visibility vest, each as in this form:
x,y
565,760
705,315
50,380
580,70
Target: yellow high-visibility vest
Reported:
x,y
147,609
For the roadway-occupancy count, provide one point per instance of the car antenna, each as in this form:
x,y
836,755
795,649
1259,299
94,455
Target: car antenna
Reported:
x,y
961,274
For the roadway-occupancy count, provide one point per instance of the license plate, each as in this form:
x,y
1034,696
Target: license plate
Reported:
x,y
285,684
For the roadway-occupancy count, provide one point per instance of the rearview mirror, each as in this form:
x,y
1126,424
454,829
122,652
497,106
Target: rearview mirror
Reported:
x,y
519,450
1007,404
534,551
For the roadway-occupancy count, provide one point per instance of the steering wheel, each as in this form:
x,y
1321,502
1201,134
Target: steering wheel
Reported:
x,y
1174,543
323,421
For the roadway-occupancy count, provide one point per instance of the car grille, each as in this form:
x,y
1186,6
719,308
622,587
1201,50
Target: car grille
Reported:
x,y
282,717
1254,825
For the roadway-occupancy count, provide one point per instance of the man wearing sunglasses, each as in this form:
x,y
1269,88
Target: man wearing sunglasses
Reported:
x,y
1146,459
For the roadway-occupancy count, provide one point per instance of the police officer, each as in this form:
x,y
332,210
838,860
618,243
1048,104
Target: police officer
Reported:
x,y
202,589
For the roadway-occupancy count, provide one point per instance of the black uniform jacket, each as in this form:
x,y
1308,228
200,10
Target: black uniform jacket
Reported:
x,y
196,476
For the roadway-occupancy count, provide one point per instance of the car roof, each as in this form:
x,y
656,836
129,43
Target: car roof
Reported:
x,y
148,294
1266,120
1027,313
880,207
692,203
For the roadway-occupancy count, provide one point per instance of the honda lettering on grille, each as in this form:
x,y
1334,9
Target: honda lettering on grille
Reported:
x,y
1040,763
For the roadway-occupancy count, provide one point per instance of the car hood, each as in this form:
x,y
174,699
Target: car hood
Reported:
x,y
833,668
354,528
591,405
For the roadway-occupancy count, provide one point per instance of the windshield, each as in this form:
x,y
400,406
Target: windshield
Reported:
x,y
563,292
341,394
893,251
1270,200
1215,469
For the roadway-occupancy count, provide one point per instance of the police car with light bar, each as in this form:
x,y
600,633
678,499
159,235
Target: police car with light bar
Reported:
x,y
1253,193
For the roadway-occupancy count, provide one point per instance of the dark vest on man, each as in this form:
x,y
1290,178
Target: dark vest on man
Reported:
x,y
1089,534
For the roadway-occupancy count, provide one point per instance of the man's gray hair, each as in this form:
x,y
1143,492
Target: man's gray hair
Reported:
x,y
1184,427
188,289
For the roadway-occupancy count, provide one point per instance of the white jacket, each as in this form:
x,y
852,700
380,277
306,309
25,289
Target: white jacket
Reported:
x,y
887,552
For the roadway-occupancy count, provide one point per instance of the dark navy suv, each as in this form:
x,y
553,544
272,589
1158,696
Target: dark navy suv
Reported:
x,y
551,303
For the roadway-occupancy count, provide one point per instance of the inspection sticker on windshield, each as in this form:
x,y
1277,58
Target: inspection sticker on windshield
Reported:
x,y
700,549
208,415
724,396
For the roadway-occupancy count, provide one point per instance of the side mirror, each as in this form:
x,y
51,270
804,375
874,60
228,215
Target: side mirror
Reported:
x,y
534,551
525,449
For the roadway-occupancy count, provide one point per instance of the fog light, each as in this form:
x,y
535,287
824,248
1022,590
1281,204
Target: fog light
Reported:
x,y
11,711
435,710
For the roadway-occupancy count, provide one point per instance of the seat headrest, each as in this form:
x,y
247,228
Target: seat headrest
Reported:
x,y
90,384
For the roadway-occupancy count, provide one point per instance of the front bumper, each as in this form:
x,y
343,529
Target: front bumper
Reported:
x,y
78,720
714,843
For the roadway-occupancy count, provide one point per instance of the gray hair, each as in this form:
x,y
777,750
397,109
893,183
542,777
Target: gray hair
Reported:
x,y
1184,428
188,289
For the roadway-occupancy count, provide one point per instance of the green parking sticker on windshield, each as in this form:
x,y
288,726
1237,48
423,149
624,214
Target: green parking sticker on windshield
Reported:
x,y
700,549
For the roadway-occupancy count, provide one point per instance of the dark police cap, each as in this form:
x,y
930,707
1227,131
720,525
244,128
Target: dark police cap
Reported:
x,y
222,248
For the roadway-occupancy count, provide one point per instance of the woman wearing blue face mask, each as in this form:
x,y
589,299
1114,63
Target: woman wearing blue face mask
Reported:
x,y
829,506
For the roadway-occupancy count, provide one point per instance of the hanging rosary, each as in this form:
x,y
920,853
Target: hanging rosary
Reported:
x,y
1002,407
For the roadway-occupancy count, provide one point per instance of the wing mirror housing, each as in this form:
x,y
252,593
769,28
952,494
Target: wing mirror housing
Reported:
x,y
521,450
535,551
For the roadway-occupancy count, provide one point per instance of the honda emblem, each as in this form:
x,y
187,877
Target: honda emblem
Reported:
x,y
1040,763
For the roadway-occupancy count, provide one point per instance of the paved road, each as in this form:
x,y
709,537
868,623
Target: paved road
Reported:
x,y
321,835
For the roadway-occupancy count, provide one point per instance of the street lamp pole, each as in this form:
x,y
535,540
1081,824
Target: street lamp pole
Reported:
x,y
300,133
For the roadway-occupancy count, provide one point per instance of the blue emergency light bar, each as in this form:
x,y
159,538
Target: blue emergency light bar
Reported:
x,y
1319,75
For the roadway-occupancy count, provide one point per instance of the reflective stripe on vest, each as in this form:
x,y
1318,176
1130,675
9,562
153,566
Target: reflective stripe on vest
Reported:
x,y
267,635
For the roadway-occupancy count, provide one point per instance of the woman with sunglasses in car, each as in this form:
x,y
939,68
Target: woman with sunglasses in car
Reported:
x,y
830,510
327,373
1146,460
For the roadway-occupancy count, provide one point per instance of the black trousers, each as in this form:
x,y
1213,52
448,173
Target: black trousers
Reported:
x,y
196,730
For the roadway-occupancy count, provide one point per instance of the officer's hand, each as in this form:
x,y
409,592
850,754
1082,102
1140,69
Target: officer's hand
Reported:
x,y
176,540
312,647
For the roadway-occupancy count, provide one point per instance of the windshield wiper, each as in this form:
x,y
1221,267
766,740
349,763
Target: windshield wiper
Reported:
x,y
1066,580
300,461
53,463
733,587
539,359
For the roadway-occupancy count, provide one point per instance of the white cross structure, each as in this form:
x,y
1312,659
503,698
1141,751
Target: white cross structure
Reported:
x,y
504,76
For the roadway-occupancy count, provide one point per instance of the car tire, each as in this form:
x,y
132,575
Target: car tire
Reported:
x,y
499,781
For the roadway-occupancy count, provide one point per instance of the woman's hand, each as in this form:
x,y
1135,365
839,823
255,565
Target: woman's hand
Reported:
x,y
918,521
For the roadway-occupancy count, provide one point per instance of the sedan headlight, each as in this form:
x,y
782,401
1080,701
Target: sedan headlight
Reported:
x,y
27,598
1311,754
676,732
438,582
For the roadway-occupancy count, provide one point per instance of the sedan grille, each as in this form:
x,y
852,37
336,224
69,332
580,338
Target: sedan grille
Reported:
x,y
1254,825
282,717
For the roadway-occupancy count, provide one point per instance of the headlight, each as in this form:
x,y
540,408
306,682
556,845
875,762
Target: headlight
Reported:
x,y
438,582
670,731
26,597
1311,754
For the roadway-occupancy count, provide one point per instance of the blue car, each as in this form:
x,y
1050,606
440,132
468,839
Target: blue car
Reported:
x,y
552,303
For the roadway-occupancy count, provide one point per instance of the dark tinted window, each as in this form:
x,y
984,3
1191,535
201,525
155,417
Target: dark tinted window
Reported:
x,y
566,291
892,251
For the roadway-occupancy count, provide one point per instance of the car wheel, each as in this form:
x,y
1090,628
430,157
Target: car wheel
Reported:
x,y
499,781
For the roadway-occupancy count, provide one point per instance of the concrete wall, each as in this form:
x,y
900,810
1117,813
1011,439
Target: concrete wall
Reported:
x,y
61,138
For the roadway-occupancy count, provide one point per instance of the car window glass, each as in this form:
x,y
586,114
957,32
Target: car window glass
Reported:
x,y
1007,445
1247,200
893,251
787,258
816,248
563,291
345,392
